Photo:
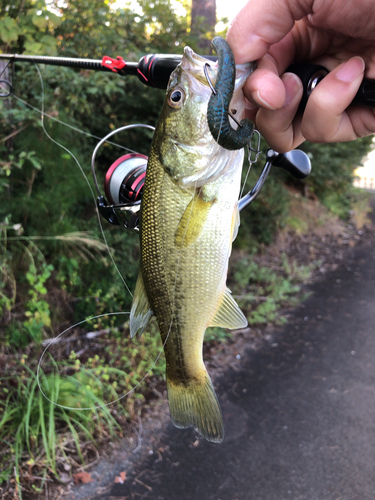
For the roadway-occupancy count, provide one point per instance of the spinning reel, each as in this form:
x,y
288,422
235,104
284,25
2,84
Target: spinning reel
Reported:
x,y
123,185
125,178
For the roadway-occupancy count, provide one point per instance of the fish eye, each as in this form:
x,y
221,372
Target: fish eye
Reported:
x,y
176,98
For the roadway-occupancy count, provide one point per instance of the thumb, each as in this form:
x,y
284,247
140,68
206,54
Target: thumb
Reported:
x,y
262,23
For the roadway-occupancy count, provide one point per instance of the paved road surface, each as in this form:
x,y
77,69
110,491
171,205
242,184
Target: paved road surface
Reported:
x,y
300,414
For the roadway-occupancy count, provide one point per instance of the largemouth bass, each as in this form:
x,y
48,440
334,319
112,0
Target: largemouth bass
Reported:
x,y
189,218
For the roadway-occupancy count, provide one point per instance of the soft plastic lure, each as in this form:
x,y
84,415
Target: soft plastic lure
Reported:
x,y
218,106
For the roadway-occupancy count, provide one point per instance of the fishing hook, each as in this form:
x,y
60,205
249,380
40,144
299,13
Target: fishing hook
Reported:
x,y
214,91
257,151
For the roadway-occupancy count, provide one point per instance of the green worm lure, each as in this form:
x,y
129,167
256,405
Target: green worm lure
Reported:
x,y
218,105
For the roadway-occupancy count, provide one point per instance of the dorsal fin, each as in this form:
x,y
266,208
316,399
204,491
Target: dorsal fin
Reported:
x,y
229,315
140,312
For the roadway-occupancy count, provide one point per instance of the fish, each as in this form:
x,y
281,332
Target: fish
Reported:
x,y
188,219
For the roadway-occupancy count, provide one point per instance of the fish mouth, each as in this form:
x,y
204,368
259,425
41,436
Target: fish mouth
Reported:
x,y
194,58
194,64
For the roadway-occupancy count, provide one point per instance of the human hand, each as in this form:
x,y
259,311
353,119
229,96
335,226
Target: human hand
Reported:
x,y
338,34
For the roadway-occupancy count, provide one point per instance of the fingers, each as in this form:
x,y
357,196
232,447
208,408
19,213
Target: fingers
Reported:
x,y
281,128
261,24
264,88
276,32
325,118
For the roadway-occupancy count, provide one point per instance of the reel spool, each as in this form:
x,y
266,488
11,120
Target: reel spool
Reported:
x,y
123,185
125,179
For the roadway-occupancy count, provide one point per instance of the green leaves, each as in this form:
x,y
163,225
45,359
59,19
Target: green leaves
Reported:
x,y
264,291
29,28
27,156
37,309
39,21
9,30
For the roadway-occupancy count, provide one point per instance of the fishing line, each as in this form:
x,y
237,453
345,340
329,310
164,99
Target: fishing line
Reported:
x,y
5,67
85,177
101,315
247,172
91,407
58,120
39,111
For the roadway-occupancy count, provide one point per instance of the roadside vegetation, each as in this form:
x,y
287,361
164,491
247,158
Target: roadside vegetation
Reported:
x,y
55,267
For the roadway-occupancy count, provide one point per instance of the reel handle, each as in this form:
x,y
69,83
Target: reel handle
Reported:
x,y
296,162
312,74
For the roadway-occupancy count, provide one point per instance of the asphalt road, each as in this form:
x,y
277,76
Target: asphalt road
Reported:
x,y
300,413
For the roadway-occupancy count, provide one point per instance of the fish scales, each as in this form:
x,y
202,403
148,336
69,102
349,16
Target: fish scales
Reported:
x,y
188,219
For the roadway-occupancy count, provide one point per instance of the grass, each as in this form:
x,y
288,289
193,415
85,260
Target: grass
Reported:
x,y
44,437
263,292
35,429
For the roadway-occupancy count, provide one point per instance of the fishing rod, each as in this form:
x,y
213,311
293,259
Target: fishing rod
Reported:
x,y
125,178
154,70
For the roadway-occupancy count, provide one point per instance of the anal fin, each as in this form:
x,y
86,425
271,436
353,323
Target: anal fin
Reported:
x,y
229,315
140,312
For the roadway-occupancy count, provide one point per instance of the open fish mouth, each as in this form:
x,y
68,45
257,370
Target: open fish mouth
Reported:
x,y
194,64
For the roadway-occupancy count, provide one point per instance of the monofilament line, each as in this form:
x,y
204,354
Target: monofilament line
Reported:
x,y
85,177
101,315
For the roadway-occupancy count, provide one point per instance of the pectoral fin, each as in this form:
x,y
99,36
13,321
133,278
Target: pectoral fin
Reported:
x,y
229,315
192,222
235,222
140,313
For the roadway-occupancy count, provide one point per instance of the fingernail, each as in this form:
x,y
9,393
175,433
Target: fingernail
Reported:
x,y
350,70
264,102
292,86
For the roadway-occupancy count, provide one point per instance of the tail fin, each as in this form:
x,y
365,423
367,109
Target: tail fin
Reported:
x,y
196,405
